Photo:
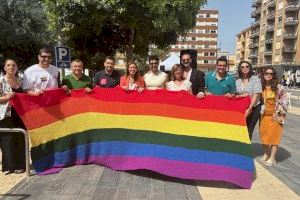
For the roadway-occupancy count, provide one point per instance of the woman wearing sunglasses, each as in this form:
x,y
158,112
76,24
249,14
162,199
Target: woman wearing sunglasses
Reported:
x,y
273,115
247,84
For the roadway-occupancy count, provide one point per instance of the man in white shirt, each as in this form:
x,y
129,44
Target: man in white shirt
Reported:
x,y
42,76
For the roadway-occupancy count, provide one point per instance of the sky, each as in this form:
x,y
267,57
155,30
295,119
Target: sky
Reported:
x,y
234,16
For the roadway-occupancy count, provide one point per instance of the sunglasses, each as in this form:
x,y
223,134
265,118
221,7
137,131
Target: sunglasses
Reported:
x,y
185,60
269,73
44,57
245,66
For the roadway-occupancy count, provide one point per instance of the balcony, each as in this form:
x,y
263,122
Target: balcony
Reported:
x,y
255,13
268,62
293,6
252,46
271,4
268,52
253,55
289,49
256,23
290,21
269,41
290,35
288,62
270,28
256,3
271,16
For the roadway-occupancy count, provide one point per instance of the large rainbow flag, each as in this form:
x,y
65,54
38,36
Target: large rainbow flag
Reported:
x,y
172,133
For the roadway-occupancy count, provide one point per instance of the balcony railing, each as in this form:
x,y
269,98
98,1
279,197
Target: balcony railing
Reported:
x,y
294,6
256,3
270,27
289,49
252,46
268,52
253,55
268,62
288,62
291,21
271,4
290,35
269,41
271,15
256,23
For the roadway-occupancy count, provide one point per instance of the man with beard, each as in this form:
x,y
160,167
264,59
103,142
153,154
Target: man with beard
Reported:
x,y
196,77
42,76
107,78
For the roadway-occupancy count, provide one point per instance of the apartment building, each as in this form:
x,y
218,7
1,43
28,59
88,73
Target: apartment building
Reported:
x,y
203,38
275,34
242,41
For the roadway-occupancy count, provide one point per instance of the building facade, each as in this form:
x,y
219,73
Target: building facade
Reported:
x,y
203,38
275,34
242,44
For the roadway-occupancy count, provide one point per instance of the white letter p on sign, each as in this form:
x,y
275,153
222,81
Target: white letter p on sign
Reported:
x,y
61,53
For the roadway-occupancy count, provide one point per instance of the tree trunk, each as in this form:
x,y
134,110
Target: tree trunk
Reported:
x,y
129,49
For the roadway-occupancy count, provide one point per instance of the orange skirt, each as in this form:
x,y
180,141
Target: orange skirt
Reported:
x,y
270,131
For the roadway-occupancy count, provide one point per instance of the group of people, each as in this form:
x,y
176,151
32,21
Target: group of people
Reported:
x,y
268,101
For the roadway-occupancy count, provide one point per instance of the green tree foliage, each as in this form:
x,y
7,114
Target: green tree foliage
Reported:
x,y
104,26
23,30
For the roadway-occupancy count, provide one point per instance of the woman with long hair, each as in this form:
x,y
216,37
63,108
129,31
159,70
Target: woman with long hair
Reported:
x,y
178,82
132,80
12,145
273,114
247,84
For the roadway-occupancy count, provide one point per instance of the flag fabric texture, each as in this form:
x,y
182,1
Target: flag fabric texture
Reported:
x,y
172,133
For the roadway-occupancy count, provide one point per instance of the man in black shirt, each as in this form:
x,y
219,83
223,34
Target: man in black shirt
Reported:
x,y
107,78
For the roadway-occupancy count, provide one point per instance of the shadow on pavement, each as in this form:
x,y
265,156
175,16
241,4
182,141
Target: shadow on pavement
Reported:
x,y
157,176
15,196
282,153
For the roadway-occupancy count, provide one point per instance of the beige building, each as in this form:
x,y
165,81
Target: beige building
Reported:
x,y
203,38
243,44
275,34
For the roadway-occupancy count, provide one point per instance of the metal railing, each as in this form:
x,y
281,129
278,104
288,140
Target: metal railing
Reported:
x,y
26,137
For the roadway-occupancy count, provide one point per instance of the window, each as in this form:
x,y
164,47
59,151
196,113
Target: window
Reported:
x,y
206,46
207,15
193,38
213,31
207,31
212,54
280,19
206,61
206,54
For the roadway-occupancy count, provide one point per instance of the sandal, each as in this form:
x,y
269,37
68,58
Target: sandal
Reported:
x,y
270,163
264,158
19,171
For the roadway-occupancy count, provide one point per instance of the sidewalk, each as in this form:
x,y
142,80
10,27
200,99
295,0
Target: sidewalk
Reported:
x,y
96,182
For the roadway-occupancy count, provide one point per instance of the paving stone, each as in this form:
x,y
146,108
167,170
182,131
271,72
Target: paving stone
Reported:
x,y
109,178
140,187
122,194
105,193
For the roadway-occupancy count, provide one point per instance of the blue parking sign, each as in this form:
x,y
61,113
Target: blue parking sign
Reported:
x,y
62,57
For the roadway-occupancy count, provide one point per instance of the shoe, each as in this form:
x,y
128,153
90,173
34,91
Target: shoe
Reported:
x,y
264,158
19,171
270,163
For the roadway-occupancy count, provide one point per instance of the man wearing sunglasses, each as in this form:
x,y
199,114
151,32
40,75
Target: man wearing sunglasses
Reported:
x,y
42,76
196,77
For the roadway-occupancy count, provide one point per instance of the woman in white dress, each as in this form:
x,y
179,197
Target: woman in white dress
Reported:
x,y
178,82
